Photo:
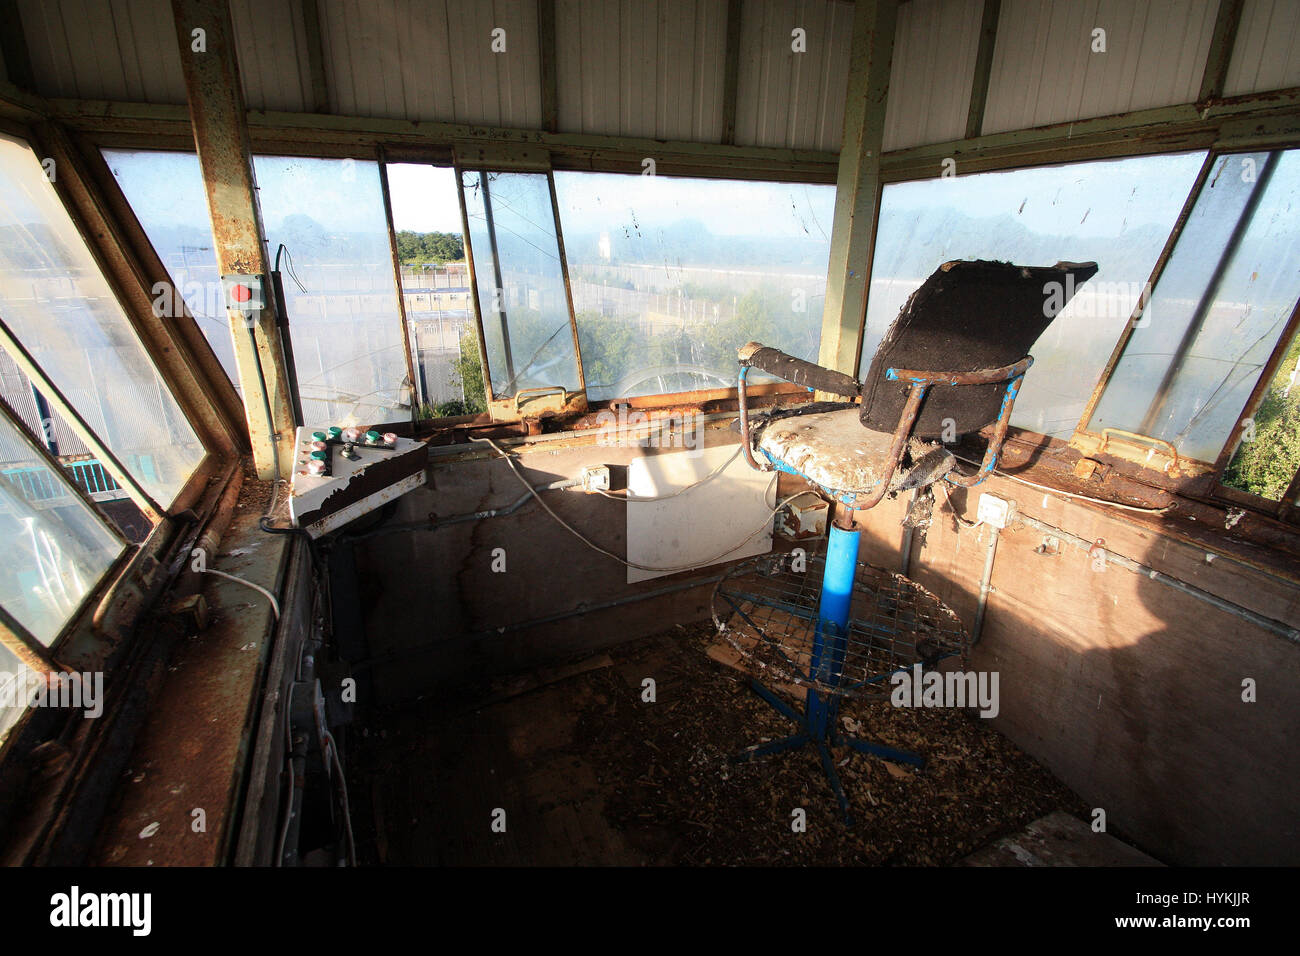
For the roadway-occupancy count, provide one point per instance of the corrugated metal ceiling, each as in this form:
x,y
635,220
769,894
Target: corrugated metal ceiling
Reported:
x,y
1045,70
1266,55
642,67
935,45
654,68
786,98
104,49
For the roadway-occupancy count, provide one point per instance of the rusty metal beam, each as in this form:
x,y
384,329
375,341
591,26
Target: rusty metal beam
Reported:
x,y
217,114
1238,122
1244,121
857,190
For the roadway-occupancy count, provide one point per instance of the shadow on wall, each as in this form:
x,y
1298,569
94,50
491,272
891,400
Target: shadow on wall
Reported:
x,y
1169,714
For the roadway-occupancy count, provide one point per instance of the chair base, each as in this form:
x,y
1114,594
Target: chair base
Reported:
x,y
823,739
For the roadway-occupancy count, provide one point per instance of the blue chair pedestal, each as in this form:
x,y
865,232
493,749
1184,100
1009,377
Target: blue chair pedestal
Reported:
x,y
817,724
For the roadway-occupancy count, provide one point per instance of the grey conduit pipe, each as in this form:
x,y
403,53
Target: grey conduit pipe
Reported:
x,y
475,516
1279,628
986,587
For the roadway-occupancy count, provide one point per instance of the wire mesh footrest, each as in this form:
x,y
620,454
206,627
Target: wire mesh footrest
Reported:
x,y
766,608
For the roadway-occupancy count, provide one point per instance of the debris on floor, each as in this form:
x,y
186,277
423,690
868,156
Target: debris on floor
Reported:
x,y
632,759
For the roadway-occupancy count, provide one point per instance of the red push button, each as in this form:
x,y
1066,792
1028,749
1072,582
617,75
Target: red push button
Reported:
x,y
241,293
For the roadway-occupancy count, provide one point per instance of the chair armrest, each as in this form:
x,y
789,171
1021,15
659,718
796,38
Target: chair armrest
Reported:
x,y
776,362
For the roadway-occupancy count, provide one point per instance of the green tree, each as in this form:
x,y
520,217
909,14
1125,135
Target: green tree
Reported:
x,y
418,248
467,374
1266,464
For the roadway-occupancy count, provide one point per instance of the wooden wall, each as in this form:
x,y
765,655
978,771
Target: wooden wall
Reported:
x,y
1130,691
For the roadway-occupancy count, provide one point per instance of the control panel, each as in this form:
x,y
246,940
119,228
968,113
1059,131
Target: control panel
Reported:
x,y
342,472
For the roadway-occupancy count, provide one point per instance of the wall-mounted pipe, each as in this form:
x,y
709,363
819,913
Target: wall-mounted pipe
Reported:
x,y
1279,628
986,585
473,516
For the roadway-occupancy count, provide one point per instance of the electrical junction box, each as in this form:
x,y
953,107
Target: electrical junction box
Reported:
x,y
244,293
342,473
595,478
994,511
804,517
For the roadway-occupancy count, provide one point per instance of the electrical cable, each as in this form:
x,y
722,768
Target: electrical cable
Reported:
x,y
610,554
288,805
680,491
328,740
275,605
952,509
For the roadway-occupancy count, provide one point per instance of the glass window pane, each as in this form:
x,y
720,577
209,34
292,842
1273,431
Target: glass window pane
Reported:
x,y
166,193
520,283
59,305
47,427
670,276
435,289
56,546
1117,213
1216,312
1268,457
339,287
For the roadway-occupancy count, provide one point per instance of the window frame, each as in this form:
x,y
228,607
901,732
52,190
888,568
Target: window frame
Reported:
x,y
1148,453
530,157
507,408
97,632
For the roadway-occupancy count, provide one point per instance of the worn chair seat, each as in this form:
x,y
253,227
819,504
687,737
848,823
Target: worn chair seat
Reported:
x,y
835,451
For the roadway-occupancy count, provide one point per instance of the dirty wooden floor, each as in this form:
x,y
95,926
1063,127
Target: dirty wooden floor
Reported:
x,y
587,772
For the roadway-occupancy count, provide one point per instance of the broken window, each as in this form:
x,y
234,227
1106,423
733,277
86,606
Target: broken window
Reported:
x,y
436,290
1117,213
670,276
1216,313
327,234
56,305
519,275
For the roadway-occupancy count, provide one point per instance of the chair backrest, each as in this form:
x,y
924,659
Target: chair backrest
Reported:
x,y
969,315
